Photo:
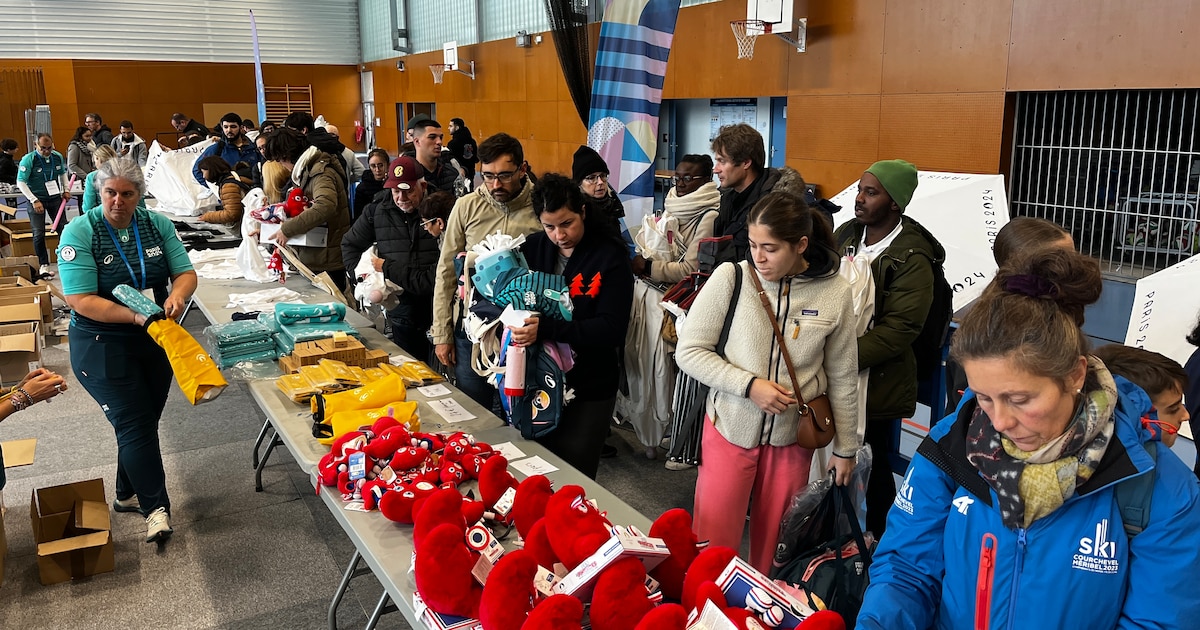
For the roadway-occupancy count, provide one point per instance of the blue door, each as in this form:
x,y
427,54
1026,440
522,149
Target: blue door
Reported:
x,y
775,152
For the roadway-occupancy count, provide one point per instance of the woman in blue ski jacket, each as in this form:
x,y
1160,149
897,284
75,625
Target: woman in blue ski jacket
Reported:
x,y
1016,511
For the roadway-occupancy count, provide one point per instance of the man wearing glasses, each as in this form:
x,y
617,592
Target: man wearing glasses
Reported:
x,y
501,204
405,253
42,178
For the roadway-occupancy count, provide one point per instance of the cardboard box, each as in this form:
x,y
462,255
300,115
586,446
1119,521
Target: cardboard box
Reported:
x,y
20,351
582,579
20,309
24,266
316,237
20,235
38,292
72,529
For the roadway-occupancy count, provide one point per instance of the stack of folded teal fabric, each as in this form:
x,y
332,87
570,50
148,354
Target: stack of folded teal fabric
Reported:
x,y
293,323
235,342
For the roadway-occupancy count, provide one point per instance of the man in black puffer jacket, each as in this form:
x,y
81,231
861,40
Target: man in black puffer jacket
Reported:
x,y
405,252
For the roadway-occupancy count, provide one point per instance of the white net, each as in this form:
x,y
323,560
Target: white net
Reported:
x,y
746,32
438,70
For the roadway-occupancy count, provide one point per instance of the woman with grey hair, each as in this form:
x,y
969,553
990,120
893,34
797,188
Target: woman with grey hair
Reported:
x,y
113,357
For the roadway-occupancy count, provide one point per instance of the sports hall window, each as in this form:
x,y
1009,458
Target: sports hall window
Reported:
x,y
1120,169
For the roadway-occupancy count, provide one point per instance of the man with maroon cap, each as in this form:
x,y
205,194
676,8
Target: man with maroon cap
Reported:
x,y
405,253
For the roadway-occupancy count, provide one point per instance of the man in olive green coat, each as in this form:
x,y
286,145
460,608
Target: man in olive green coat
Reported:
x,y
902,254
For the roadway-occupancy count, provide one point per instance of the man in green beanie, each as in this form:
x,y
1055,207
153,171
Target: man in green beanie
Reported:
x,y
903,256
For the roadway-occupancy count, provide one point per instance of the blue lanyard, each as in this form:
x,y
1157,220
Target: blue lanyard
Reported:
x,y
137,237
49,168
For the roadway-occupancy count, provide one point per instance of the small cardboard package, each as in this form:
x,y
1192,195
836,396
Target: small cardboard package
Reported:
x,y
316,237
20,351
739,579
582,579
71,527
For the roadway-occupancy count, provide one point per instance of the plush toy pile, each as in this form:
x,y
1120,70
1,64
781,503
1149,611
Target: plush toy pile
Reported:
x,y
575,568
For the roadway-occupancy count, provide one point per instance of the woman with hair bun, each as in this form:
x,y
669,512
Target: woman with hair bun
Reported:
x,y
752,411
1009,515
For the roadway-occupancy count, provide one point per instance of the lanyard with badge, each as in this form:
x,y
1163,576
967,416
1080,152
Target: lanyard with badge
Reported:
x,y
137,237
49,179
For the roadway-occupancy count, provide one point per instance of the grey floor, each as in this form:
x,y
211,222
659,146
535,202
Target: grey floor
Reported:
x,y
238,559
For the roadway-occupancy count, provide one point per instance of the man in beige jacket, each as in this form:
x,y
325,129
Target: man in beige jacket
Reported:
x,y
502,204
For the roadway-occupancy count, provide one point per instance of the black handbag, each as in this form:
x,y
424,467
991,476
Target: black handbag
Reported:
x,y
833,573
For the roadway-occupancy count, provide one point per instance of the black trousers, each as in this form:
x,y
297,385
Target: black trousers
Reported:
x,y
129,376
580,434
881,485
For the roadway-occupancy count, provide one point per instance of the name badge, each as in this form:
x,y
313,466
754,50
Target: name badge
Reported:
x,y
52,188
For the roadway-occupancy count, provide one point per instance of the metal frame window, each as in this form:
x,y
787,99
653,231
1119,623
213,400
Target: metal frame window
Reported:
x,y
1120,169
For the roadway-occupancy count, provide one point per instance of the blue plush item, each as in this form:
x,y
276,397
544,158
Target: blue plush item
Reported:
x,y
490,268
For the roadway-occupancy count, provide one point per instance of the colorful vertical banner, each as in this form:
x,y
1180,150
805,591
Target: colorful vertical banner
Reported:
x,y
631,62
258,78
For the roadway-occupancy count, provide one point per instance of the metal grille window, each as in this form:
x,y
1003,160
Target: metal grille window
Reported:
x,y
1119,169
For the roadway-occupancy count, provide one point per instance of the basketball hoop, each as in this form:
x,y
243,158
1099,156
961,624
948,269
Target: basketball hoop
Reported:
x,y
438,69
746,32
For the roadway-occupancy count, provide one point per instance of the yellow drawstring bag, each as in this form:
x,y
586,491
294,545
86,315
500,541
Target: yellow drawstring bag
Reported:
x,y
343,422
195,371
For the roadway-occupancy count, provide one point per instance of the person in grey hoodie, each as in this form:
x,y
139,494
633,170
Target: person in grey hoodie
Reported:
x,y
129,145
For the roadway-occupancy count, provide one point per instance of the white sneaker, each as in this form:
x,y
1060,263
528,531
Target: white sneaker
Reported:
x,y
158,526
45,272
128,505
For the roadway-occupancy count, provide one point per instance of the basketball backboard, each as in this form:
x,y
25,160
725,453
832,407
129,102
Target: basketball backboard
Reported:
x,y
776,15
450,55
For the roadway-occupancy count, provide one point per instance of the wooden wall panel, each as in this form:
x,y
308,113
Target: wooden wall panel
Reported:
x,y
830,177
839,128
704,63
845,48
1084,45
943,132
946,46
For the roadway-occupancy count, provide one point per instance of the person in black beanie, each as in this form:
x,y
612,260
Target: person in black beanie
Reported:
x,y
590,173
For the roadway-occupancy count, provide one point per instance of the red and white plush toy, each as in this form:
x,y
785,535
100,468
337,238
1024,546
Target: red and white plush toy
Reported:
x,y
295,203
674,527
509,594
574,527
529,505
494,481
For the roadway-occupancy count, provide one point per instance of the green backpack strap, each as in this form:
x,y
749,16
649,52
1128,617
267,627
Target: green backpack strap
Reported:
x,y
1134,496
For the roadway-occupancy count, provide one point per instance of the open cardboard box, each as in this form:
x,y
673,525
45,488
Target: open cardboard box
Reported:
x,y
72,529
20,351
26,292
316,237
24,266
20,233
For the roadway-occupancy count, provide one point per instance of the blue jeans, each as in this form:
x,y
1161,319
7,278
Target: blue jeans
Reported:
x,y
470,383
129,376
37,223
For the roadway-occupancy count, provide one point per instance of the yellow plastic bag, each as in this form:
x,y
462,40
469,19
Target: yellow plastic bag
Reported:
x,y
195,371
343,422
387,389
296,387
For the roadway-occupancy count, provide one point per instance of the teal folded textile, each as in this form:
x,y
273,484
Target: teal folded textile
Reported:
x,y
237,332
267,318
265,355
311,332
293,313
134,299
246,347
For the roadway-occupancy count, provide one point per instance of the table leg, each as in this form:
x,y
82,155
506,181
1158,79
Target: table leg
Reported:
x,y
262,435
352,572
275,441
382,608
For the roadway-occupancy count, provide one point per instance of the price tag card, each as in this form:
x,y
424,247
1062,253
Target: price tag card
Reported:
x,y
450,410
509,451
358,466
355,506
533,466
434,391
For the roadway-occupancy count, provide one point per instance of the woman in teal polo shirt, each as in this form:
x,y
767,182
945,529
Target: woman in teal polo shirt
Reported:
x,y
113,357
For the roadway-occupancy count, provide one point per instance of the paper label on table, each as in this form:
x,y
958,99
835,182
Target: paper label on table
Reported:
x,y
509,451
451,410
534,466
52,189
505,502
400,359
434,391
355,506
358,466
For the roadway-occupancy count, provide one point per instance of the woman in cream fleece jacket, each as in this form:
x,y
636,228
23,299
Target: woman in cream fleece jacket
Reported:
x,y
749,439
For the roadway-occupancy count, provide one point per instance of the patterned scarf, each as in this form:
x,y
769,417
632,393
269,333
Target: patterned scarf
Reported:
x,y
1033,485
